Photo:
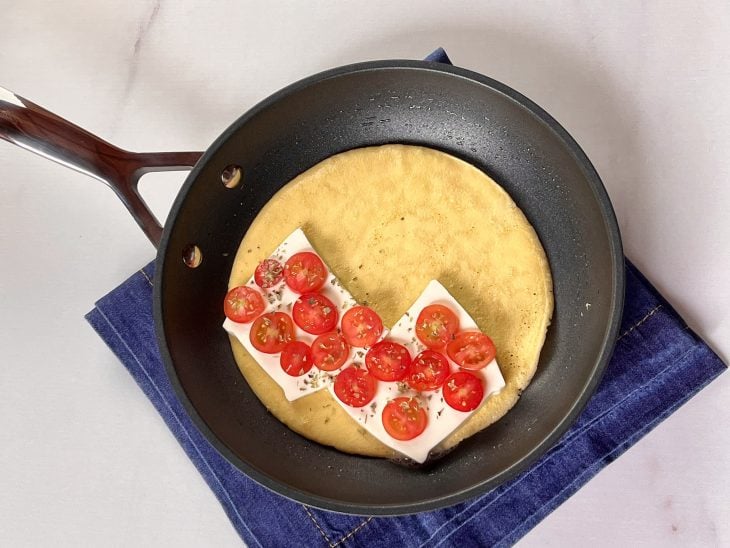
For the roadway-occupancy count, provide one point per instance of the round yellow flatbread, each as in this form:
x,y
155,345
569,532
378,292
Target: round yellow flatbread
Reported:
x,y
387,220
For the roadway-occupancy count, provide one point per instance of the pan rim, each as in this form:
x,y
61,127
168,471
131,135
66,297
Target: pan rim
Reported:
x,y
610,335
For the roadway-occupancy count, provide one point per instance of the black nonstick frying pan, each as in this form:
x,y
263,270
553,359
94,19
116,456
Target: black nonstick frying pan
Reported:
x,y
454,110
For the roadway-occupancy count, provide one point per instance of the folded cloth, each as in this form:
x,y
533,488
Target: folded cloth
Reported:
x,y
658,364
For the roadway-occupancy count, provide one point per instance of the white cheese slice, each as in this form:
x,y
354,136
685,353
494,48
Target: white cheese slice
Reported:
x,y
280,299
442,419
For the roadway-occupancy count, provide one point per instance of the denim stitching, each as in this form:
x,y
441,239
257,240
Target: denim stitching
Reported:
x,y
319,528
629,441
565,446
146,277
351,533
154,385
642,320
324,535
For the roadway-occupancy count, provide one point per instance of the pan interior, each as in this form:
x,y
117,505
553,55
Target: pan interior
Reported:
x,y
387,220
463,114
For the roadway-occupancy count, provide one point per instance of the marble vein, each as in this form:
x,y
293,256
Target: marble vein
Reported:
x,y
139,42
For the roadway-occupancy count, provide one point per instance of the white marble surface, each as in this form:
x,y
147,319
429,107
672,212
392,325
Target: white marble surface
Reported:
x,y
644,87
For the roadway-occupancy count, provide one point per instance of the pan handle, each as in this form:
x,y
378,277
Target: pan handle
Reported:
x,y
34,128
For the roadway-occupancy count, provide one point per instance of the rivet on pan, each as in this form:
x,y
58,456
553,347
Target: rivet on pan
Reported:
x,y
192,256
231,176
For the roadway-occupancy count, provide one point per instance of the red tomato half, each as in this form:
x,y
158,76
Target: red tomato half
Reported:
x,y
315,313
270,332
361,326
305,272
355,387
463,391
388,361
296,358
242,304
404,418
435,326
428,371
471,349
268,273
330,351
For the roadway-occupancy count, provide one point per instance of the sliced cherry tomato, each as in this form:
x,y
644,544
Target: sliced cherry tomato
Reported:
x,y
296,358
330,351
463,391
355,387
404,418
270,332
435,326
305,272
388,361
428,371
471,349
268,273
315,313
361,326
242,304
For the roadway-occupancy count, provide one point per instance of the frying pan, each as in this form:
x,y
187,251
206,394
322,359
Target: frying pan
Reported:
x,y
451,109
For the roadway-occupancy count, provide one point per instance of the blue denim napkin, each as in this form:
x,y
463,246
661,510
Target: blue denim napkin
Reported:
x,y
658,364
